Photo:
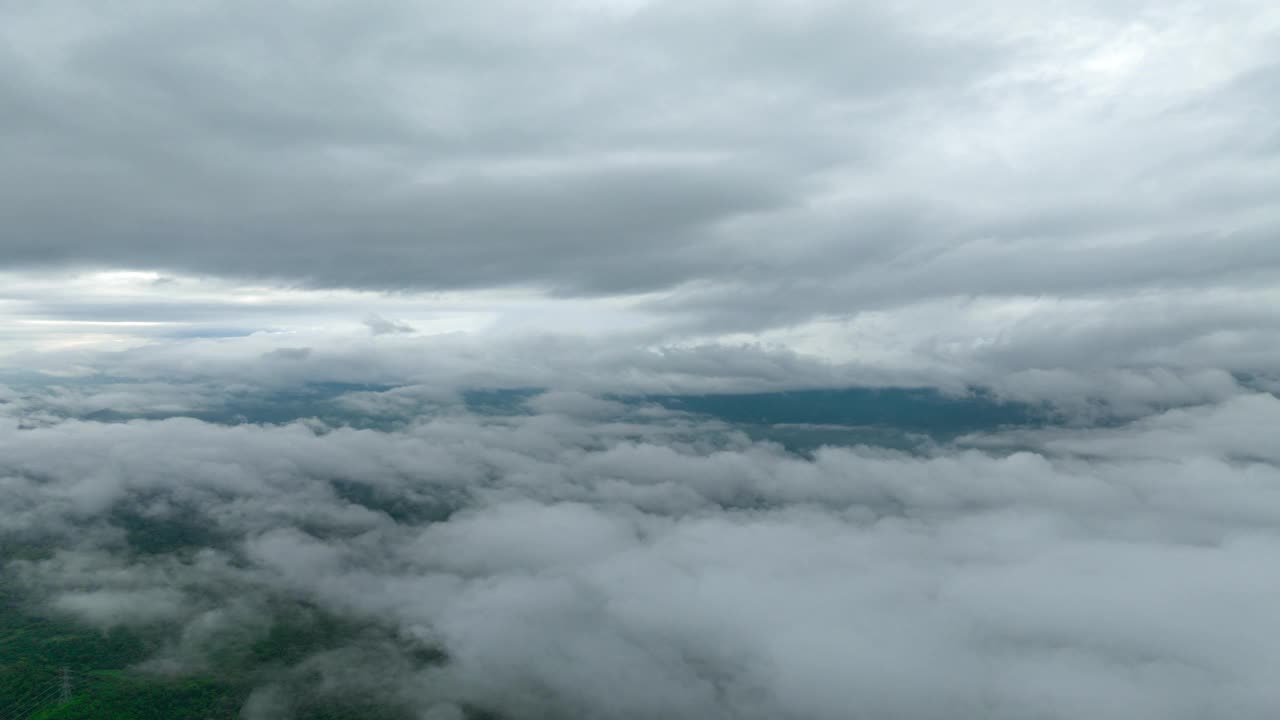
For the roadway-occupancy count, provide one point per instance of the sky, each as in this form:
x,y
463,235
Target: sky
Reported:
x,y
954,189
250,252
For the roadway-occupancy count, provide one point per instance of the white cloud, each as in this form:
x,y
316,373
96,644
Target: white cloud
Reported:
x,y
630,570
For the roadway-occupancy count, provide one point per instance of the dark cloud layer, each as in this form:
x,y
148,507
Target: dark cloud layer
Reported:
x,y
786,161
396,145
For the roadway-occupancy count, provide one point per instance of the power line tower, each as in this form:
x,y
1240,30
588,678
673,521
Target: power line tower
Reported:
x,y
64,694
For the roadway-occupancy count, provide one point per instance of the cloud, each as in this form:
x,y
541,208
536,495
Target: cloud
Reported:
x,y
949,193
342,315
602,151
626,568
379,325
110,608
288,354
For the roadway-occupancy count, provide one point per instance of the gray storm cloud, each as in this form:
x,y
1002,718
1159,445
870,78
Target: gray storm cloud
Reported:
x,y
777,163
939,194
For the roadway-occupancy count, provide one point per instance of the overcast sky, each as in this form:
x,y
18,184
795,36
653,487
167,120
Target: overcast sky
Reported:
x,y
962,189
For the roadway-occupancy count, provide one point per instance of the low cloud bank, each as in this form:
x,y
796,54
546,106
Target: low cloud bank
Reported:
x,y
594,560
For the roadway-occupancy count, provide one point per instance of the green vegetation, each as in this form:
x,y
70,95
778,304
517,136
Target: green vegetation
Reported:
x,y
920,410
287,644
108,694
35,649
105,683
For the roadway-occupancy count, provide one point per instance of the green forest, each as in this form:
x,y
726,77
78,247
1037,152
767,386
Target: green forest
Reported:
x,y
53,668
39,654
